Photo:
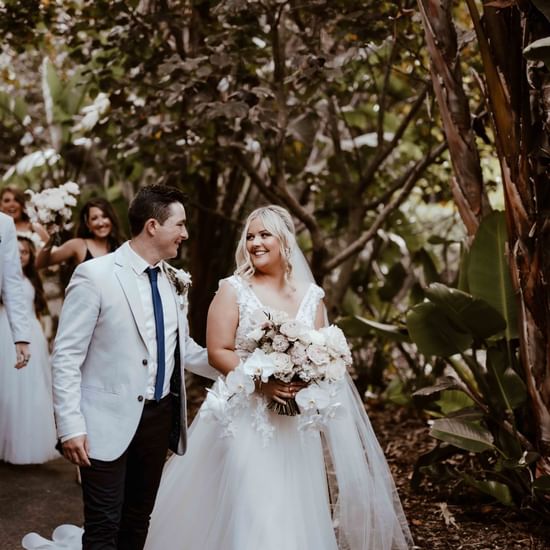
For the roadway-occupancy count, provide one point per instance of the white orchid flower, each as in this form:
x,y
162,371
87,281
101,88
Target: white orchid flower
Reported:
x,y
239,383
259,365
313,398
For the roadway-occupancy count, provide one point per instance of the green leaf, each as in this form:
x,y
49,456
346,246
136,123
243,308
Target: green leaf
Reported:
x,y
444,383
393,282
495,489
462,434
20,108
471,314
510,386
463,271
55,86
539,50
394,393
452,401
434,333
435,456
488,271
423,258
360,326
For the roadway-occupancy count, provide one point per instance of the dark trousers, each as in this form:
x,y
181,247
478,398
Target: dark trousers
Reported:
x,y
119,495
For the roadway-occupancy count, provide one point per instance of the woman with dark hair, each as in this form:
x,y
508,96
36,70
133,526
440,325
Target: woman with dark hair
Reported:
x,y
12,203
27,427
97,234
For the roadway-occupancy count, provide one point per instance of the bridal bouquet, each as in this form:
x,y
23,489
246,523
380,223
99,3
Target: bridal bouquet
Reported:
x,y
52,207
288,350
284,349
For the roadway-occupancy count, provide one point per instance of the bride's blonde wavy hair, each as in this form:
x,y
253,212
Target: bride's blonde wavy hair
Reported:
x,y
278,222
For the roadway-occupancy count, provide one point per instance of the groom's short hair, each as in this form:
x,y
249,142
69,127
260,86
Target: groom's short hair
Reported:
x,y
152,201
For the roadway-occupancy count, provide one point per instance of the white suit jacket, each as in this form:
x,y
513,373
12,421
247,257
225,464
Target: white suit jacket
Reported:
x,y
100,357
11,280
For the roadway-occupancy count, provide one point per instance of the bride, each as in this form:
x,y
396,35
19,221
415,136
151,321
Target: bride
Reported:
x,y
256,481
243,491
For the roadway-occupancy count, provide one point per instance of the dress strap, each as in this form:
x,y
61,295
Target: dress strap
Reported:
x,y
238,286
308,308
88,255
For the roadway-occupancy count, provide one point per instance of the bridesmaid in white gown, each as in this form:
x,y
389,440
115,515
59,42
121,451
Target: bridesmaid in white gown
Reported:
x,y
27,427
265,484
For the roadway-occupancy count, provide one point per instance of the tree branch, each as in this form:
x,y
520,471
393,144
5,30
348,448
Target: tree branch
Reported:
x,y
408,183
384,152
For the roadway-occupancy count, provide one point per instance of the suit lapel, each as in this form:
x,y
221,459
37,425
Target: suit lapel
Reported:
x,y
127,279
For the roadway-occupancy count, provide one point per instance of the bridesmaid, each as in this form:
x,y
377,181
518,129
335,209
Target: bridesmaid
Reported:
x,y
12,203
27,426
97,234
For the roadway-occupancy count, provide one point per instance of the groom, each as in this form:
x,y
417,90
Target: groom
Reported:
x,y
118,361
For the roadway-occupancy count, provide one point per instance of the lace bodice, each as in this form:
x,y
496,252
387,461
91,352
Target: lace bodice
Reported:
x,y
251,308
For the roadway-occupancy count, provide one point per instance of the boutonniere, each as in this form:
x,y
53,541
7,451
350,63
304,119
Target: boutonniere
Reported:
x,y
181,281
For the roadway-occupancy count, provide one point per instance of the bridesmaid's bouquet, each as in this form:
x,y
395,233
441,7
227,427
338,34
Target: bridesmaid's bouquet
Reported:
x,y
52,207
288,350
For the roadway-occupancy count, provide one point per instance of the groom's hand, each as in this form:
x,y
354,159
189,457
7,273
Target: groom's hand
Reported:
x,y
76,450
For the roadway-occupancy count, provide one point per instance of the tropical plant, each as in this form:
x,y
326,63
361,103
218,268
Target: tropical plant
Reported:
x,y
517,125
480,406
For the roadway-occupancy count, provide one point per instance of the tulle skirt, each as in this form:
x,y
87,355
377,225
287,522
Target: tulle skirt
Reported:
x,y
27,426
238,493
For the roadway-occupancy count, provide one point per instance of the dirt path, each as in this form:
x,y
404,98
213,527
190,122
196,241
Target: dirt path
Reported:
x,y
39,498
36,498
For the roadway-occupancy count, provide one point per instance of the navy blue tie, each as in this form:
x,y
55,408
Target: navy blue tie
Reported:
x,y
159,326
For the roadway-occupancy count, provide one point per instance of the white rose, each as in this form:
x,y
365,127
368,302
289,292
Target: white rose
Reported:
x,y
283,363
280,343
70,200
71,187
335,340
298,353
292,330
318,354
335,370
313,337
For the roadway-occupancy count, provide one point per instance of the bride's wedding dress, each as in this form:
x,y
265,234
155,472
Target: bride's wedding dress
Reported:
x,y
268,485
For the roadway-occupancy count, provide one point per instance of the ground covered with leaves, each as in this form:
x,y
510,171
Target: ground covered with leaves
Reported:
x,y
440,516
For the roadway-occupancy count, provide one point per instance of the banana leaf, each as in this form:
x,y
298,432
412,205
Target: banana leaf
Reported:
x,y
434,333
462,434
495,489
360,326
507,384
488,271
471,314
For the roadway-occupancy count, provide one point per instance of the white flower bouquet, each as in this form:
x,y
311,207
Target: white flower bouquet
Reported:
x,y
52,207
288,350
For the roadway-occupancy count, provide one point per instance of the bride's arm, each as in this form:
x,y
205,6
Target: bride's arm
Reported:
x,y
221,327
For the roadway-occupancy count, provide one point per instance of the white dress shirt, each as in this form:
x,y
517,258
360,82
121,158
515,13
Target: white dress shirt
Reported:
x,y
139,265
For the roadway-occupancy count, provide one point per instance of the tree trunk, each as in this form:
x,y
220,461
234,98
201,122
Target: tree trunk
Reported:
x,y
467,185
